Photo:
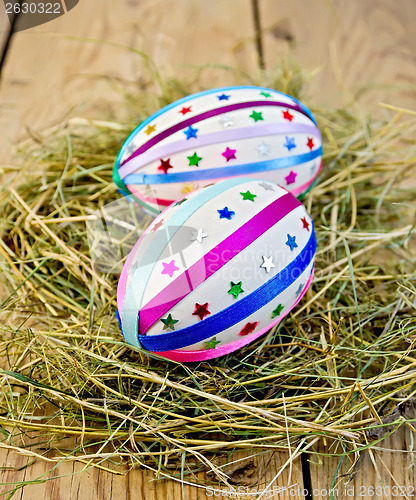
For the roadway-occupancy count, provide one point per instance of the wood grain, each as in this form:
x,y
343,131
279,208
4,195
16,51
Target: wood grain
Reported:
x,y
387,471
63,71
4,27
69,482
362,50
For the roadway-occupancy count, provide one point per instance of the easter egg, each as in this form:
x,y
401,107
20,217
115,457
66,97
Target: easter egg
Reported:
x,y
219,133
216,270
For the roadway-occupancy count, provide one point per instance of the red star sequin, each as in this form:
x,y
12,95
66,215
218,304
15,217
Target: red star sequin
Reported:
x,y
164,165
157,226
250,327
201,310
310,143
305,223
287,115
185,110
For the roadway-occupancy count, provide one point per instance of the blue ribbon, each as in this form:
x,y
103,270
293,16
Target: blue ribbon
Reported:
x,y
238,311
228,171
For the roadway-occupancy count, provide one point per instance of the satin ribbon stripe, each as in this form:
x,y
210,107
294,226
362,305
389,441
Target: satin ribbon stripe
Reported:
x,y
202,355
238,311
131,301
213,260
203,116
300,190
236,134
227,171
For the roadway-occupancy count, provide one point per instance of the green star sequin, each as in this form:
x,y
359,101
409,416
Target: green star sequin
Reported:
x,y
235,289
265,94
248,196
256,115
169,322
278,311
180,202
194,160
212,343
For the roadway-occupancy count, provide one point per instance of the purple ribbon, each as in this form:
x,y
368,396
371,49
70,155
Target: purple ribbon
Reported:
x,y
203,116
259,130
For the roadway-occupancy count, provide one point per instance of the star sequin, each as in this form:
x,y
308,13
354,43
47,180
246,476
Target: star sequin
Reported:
x,y
265,94
266,186
188,187
180,202
223,97
229,154
263,149
130,149
198,235
250,327
226,121
290,143
165,165
194,160
310,143
267,263
235,289
287,115
169,322
291,242
305,223
291,178
248,196
190,132
257,116
185,110
212,344
225,213
201,310
150,129
169,268
157,226
278,311
299,290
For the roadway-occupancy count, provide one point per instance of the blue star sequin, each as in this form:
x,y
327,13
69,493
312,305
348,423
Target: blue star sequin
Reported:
x,y
190,132
299,290
226,214
290,143
223,97
291,242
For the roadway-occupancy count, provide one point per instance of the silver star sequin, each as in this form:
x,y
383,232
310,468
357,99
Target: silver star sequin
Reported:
x,y
266,186
226,121
198,235
264,149
267,263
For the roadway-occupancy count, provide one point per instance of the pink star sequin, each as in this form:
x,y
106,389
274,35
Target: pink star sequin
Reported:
x,y
291,178
229,154
169,268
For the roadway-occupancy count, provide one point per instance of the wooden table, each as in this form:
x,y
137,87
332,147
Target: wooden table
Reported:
x,y
357,53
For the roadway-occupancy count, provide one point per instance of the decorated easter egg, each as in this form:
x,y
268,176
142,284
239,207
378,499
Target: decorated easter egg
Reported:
x,y
216,134
216,270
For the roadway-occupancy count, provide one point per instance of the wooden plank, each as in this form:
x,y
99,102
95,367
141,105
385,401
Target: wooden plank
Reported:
x,y
4,27
387,471
356,44
74,483
63,71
